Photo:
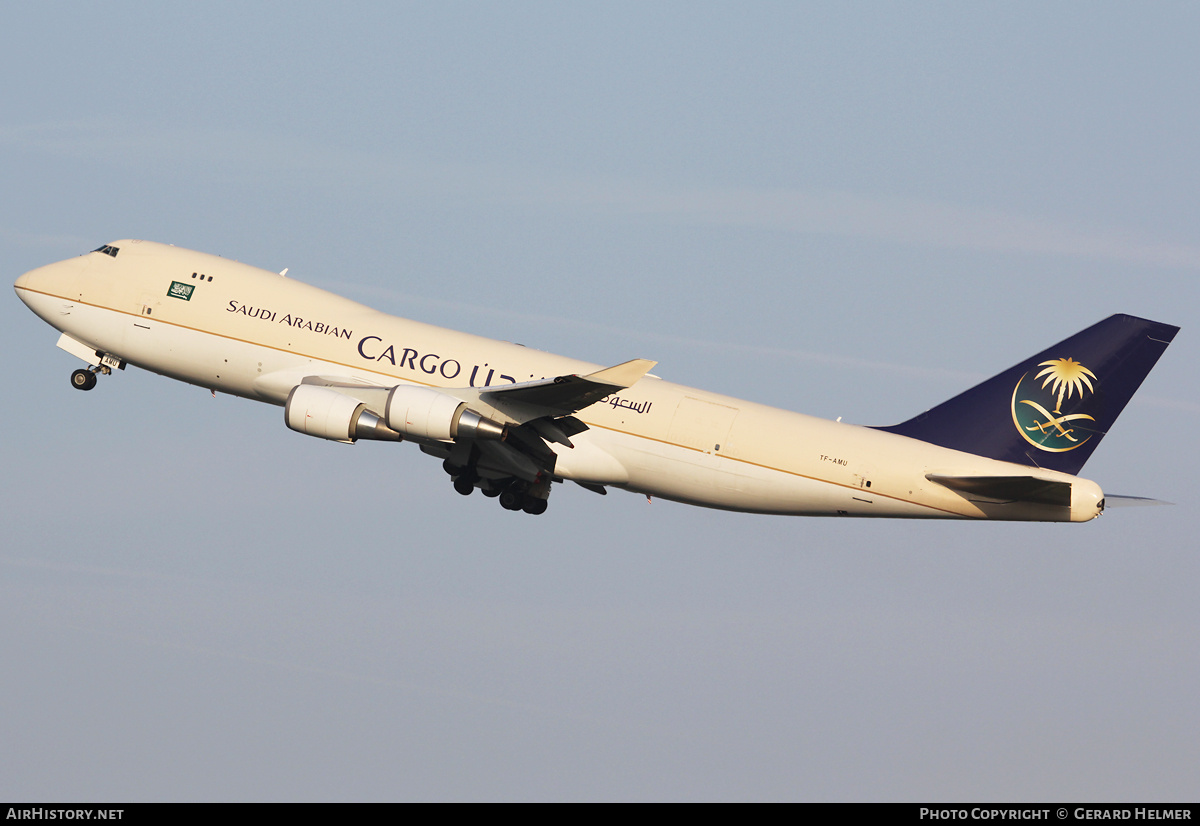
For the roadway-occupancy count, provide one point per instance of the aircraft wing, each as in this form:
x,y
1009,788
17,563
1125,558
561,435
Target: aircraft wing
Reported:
x,y
520,419
562,395
513,404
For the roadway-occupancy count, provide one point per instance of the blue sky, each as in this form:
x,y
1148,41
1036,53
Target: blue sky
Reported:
x,y
849,210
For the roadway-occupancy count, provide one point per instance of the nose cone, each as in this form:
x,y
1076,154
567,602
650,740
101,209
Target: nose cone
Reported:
x,y
59,277
45,289
24,285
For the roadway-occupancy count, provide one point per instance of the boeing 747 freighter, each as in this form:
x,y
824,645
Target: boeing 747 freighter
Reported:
x,y
512,421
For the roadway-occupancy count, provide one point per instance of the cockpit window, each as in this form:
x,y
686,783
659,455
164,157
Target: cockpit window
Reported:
x,y
108,249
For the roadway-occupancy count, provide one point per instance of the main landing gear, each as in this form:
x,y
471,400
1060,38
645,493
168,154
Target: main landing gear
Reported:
x,y
514,494
518,495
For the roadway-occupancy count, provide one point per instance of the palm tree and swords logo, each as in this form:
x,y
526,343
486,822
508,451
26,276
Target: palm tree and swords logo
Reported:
x,y
1062,380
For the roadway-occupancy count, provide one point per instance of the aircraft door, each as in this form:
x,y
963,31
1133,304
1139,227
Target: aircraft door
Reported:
x,y
702,425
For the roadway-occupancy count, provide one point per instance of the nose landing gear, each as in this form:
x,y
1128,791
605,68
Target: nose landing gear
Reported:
x,y
84,379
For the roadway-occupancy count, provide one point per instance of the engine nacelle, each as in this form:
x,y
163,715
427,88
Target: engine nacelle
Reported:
x,y
426,413
328,414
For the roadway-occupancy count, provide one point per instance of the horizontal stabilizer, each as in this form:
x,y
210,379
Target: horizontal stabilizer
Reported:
x,y
1008,488
1115,501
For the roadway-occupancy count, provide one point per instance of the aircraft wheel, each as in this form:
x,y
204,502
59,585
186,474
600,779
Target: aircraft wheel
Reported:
x,y
492,492
83,379
535,506
464,485
511,500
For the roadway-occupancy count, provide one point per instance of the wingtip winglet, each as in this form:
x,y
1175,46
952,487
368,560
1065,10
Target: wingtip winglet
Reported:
x,y
623,375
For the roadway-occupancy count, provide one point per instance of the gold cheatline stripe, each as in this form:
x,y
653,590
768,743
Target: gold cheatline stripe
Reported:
x,y
425,384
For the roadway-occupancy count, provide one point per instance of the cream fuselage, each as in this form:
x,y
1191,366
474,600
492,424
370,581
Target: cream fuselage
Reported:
x,y
252,333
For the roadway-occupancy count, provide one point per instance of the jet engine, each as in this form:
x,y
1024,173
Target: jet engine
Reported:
x,y
319,411
426,413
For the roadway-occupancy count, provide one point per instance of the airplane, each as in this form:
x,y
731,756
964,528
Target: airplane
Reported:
x,y
511,421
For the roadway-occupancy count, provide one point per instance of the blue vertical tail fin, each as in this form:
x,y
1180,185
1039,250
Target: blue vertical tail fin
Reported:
x,y
1050,410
